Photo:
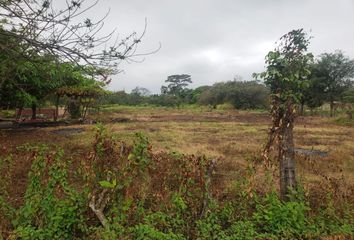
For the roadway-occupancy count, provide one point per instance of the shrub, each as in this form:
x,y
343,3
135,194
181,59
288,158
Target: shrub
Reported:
x,y
52,208
241,95
276,218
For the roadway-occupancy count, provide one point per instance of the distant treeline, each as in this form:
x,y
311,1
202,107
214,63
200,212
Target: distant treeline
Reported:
x,y
330,81
240,94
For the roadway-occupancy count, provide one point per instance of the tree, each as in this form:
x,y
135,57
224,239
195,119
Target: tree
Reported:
x,y
348,95
81,96
214,95
176,92
197,92
118,97
286,75
314,95
137,95
141,91
334,73
241,94
26,82
32,31
348,98
247,95
66,32
177,84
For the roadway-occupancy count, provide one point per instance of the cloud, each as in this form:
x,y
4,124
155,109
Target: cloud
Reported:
x,y
215,40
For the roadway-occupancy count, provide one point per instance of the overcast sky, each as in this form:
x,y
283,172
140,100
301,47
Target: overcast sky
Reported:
x,y
214,40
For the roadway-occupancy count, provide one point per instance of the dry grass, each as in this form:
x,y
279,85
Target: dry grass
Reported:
x,y
232,136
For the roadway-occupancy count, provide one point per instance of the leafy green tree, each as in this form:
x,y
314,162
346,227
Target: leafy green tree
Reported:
x,y
348,95
138,95
81,96
334,74
348,98
177,84
214,95
247,95
26,82
241,94
31,31
177,90
314,95
31,78
141,91
118,97
197,92
286,75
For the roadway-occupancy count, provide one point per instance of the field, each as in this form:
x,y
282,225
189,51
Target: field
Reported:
x,y
324,147
229,135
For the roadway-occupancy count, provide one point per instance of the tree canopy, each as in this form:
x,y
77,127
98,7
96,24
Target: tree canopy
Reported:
x,y
48,49
241,94
333,74
176,84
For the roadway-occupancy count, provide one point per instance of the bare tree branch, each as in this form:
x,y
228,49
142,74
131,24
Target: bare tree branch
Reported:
x,y
67,34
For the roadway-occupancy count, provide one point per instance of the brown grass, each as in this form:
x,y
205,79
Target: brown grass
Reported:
x,y
235,138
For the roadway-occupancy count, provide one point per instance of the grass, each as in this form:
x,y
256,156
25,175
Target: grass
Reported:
x,y
235,138
230,135
344,121
7,113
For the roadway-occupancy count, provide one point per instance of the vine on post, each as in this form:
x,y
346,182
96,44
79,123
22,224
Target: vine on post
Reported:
x,y
286,75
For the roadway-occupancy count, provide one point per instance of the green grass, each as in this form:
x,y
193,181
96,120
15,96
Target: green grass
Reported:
x,y
344,121
7,113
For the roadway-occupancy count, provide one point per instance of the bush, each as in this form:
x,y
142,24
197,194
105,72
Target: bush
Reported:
x,y
8,113
146,232
225,106
241,95
276,218
52,209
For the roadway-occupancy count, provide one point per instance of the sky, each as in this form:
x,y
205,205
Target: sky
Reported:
x,y
215,40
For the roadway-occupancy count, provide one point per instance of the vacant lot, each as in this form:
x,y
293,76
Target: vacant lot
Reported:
x,y
235,138
324,156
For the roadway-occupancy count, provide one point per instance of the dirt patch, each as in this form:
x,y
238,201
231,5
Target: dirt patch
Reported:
x,y
120,120
26,125
310,152
248,118
68,131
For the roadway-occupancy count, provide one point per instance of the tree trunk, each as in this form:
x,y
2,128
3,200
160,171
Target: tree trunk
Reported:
x,y
302,109
56,114
331,106
34,110
19,113
85,108
287,161
74,108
